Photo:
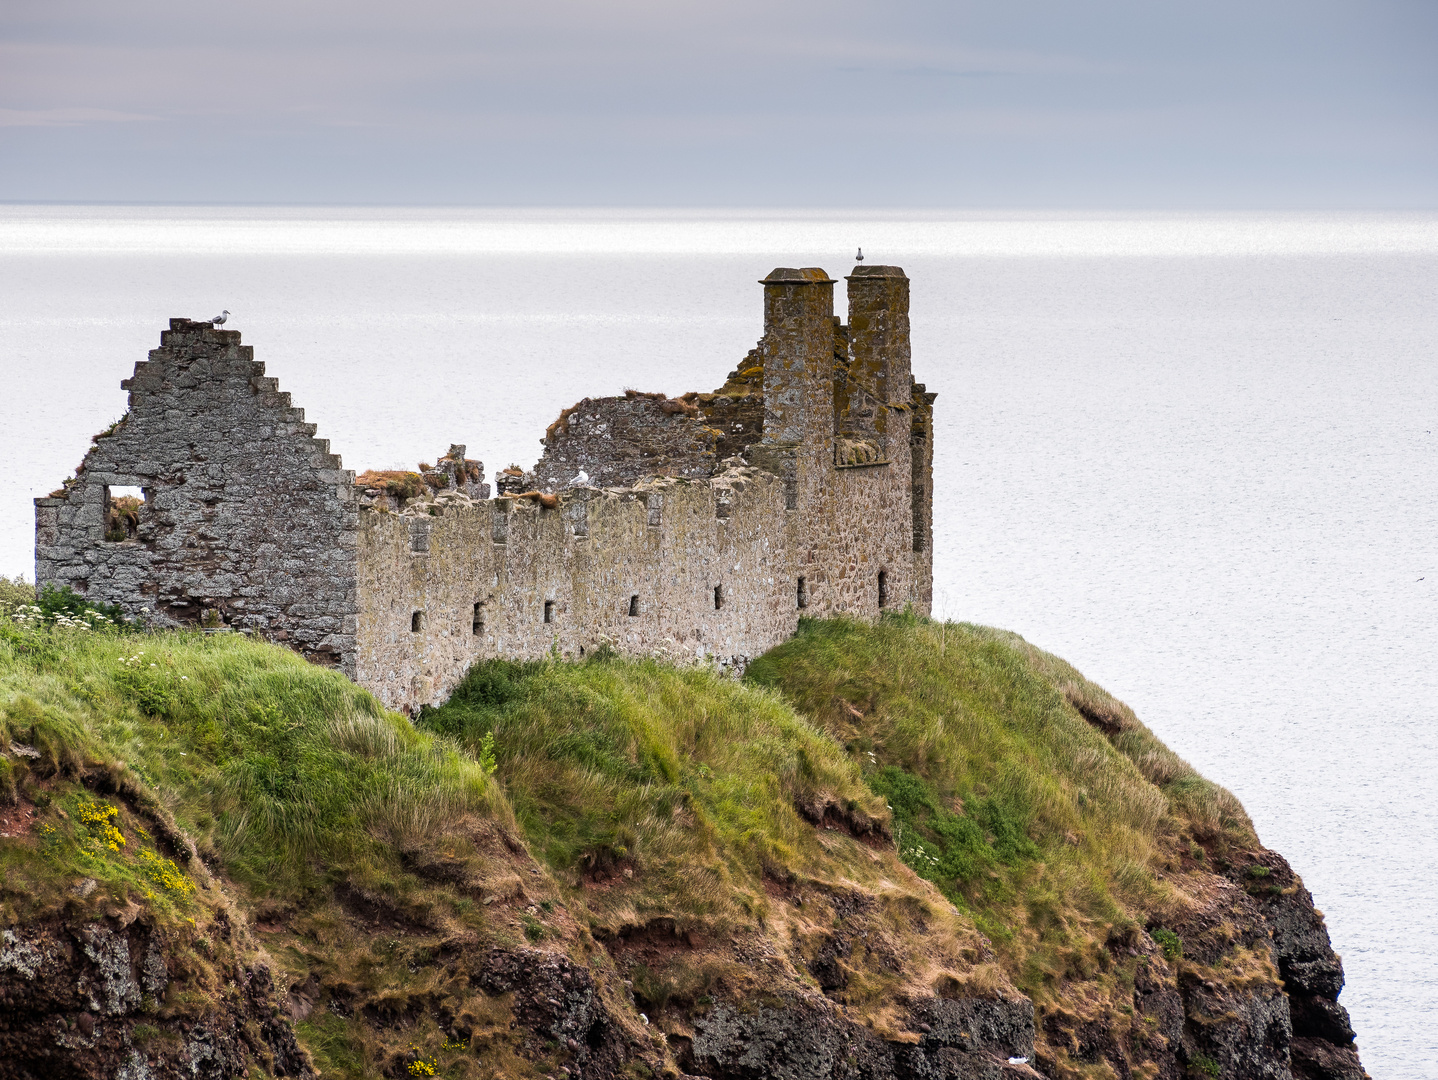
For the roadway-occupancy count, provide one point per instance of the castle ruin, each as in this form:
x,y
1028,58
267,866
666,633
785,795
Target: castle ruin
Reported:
x,y
697,527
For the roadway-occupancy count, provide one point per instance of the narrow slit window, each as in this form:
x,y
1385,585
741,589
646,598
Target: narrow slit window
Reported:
x,y
634,604
549,611
718,597
803,594
416,622
478,618
883,588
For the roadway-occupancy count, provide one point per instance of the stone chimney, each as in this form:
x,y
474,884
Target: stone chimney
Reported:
x,y
798,352
879,336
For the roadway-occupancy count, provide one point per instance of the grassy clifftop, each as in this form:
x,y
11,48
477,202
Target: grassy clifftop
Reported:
x,y
1031,797
852,863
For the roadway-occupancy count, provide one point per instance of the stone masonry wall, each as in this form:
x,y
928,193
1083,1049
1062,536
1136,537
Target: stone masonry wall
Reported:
x,y
245,513
853,540
618,441
636,569
789,529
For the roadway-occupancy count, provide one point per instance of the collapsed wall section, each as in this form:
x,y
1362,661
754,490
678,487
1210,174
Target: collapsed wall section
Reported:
x,y
615,442
688,569
243,519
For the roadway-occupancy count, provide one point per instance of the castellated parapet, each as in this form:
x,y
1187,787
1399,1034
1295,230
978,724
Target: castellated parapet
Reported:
x,y
700,527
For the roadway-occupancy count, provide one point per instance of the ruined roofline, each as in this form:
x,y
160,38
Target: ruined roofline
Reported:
x,y
725,473
616,442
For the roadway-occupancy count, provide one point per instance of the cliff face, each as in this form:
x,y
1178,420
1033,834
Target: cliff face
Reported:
x,y
1126,895
956,859
83,1000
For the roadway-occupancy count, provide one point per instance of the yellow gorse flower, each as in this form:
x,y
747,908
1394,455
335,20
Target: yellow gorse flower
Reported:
x,y
164,873
99,819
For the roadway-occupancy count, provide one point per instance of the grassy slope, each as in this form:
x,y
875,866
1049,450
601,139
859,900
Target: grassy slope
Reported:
x,y
359,849
733,813
290,781
1029,795
679,798
284,773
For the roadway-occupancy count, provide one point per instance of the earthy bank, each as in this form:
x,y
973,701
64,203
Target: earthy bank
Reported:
x,y
908,849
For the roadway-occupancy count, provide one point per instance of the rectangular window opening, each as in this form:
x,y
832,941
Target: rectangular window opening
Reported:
x,y
803,594
718,597
883,588
634,604
416,622
549,611
122,512
478,618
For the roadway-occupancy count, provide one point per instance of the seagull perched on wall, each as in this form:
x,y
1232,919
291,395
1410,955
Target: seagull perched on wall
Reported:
x,y
859,257
222,318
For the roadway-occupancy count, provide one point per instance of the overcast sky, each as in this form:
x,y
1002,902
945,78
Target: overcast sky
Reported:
x,y
1009,103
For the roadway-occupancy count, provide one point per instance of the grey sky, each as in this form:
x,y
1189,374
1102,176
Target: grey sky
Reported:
x,y
847,102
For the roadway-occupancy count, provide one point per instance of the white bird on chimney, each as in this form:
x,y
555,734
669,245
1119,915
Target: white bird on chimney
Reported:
x,y
222,318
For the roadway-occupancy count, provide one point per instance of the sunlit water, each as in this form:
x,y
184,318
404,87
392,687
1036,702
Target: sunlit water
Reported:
x,y
1196,456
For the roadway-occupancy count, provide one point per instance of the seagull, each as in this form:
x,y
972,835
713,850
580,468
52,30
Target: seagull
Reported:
x,y
222,318
859,257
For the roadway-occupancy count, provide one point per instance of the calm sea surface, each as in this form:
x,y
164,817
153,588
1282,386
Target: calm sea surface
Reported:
x,y
1194,455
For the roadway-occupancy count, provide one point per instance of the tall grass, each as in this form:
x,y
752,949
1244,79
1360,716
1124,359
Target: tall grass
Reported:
x,y
691,781
1029,795
289,775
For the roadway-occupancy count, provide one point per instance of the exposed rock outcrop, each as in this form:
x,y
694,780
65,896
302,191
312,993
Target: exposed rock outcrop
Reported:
x,y
88,1000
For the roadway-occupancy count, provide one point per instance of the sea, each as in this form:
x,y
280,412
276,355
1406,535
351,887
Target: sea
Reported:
x,y
1194,454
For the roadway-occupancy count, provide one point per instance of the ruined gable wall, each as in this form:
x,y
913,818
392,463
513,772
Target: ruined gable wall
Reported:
x,y
669,542
246,512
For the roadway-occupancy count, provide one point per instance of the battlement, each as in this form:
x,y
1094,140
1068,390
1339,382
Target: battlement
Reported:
x,y
701,526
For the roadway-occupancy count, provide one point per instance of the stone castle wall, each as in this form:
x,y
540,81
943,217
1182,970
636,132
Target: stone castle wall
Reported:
x,y
245,513
636,569
701,527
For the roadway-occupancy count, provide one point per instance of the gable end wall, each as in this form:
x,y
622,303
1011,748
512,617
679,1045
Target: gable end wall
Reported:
x,y
246,513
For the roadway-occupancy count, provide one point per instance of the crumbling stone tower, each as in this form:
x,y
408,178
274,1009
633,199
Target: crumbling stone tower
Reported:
x,y
702,526
847,430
